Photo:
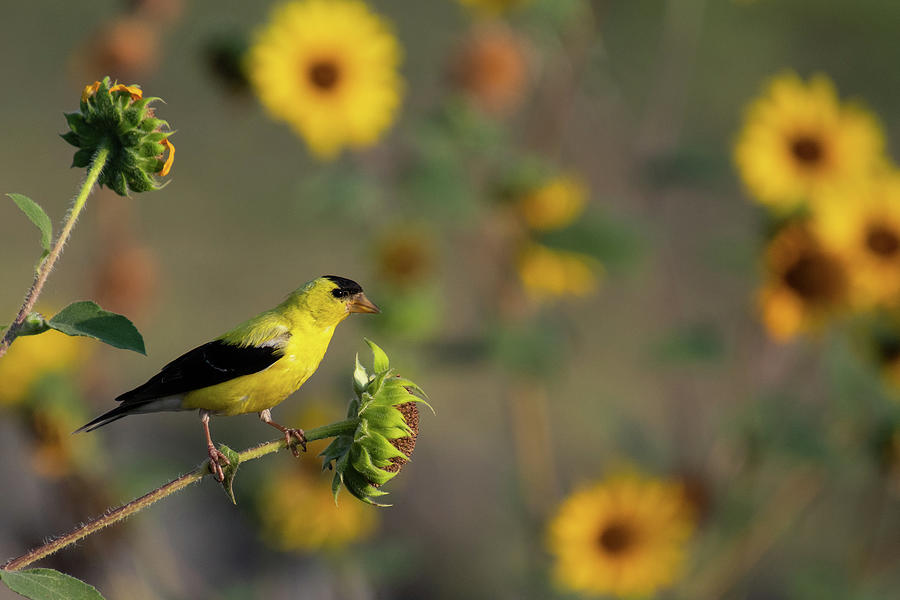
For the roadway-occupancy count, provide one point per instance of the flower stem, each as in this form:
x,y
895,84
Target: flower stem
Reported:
x,y
40,278
115,515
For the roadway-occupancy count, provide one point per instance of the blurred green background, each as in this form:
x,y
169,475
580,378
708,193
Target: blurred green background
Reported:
x,y
665,368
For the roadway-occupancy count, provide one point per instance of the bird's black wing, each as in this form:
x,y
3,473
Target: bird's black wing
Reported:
x,y
207,365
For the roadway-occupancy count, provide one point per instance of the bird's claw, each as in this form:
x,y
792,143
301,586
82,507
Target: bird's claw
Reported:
x,y
215,458
293,438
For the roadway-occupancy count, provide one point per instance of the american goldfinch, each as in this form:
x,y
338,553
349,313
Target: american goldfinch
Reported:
x,y
254,366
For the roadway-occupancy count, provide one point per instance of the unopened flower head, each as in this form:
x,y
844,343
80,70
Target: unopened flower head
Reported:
x,y
118,118
387,415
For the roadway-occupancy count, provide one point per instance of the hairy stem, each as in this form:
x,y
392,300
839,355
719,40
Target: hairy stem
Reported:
x,y
40,278
115,515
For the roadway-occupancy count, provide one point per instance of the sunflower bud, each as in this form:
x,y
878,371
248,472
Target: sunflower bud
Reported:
x,y
385,409
119,118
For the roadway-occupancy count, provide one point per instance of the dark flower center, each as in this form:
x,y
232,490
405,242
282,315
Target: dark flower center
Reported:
x,y
815,277
882,240
616,537
807,150
405,261
888,349
324,74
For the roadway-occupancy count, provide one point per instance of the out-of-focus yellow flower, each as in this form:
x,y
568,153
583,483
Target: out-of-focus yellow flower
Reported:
x,y
549,273
554,204
805,284
31,357
624,536
297,508
329,69
798,139
492,69
863,224
298,512
57,452
492,7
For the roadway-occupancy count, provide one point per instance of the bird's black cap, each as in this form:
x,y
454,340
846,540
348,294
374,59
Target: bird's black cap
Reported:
x,y
345,287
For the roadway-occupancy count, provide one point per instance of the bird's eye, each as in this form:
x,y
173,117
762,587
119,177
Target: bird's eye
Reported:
x,y
340,293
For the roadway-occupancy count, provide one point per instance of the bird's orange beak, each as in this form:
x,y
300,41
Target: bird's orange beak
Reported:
x,y
360,304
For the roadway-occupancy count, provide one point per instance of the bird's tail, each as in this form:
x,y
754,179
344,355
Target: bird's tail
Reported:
x,y
132,408
106,418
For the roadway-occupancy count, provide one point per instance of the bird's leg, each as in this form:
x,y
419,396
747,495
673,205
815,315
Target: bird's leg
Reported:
x,y
215,457
291,436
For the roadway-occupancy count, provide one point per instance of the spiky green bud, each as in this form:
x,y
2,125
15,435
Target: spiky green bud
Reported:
x,y
387,415
119,118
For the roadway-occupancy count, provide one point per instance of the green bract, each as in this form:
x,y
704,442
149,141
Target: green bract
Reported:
x,y
385,408
118,118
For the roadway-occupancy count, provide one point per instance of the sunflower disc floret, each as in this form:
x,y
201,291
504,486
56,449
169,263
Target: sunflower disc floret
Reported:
x,y
385,408
119,118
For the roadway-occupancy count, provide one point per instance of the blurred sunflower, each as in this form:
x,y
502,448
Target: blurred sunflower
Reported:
x,y
491,68
296,505
329,69
625,536
32,357
798,139
805,283
548,273
57,452
863,224
555,204
298,512
887,353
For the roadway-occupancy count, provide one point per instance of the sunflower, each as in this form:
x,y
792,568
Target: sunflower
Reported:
x,y
32,357
555,204
863,224
549,273
329,69
296,505
805,283
298,512
625,536
798,138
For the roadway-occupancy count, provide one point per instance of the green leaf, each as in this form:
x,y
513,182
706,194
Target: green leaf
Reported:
x,y
87,319
37,215
381,362
47,584
230,470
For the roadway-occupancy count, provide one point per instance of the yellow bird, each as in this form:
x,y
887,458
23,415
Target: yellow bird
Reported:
x,y
254,366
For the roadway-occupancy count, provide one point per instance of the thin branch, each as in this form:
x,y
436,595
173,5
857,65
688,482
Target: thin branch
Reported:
x,y
115,515
40,278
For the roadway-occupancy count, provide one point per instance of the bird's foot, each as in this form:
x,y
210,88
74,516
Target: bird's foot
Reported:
x,y
216,459
293,438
